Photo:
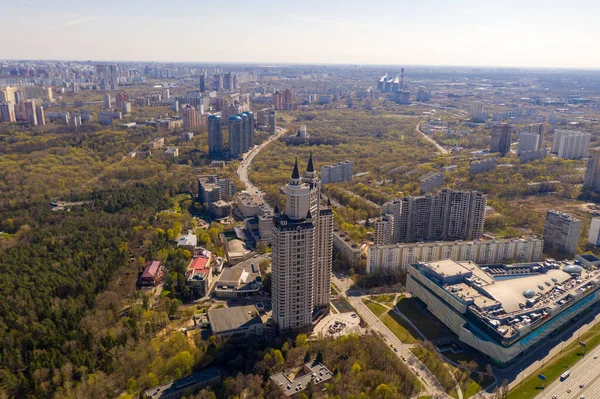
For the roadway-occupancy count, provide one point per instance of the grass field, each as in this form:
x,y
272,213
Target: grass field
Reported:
x,y
531,385
399,327
386,299
407,307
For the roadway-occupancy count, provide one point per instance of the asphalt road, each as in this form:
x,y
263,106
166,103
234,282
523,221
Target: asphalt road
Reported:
x,y
587,372
432,141
247,161
428,381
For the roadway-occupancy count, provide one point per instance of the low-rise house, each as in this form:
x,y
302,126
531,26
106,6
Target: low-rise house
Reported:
x,y
199,274
188,241
172,152
152,274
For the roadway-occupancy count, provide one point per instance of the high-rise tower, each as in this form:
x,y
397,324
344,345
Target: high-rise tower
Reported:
x,y
215,137
302,253
235,136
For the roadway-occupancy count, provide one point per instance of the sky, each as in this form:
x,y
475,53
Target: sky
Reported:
x,y
525,33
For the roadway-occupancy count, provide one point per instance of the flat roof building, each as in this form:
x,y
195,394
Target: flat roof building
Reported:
x,y
236,322
311,373
504,310
241,280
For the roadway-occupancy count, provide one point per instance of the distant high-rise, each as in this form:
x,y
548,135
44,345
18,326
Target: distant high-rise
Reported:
x,y
107,101
7,112
423,95
191,116
446,215
30,113
302,240
108,76
218,82
202,84
540,129
215,137
249,130
561,231
570,144
476,112
591,178
272,121
501,138
528,142
121,98
236,146
277,101
40,116
287,100
228,81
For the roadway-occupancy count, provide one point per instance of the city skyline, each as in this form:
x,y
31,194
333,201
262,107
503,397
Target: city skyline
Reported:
x,y
464,33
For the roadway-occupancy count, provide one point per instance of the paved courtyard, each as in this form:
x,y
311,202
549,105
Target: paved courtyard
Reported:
x,y
351,325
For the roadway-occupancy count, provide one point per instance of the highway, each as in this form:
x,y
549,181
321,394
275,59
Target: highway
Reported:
x,y
587,372
428,381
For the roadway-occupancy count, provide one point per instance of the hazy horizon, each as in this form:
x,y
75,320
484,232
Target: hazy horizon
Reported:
x,y
466,33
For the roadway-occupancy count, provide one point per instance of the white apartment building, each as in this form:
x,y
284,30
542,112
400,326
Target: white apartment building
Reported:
x,y
561,231
394,259
528,142
336,173
594,234
570,144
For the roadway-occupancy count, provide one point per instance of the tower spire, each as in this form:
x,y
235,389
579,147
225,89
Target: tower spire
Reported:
x,y
310,167
295,173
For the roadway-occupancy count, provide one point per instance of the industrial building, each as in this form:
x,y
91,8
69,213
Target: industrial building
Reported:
x,y
504,310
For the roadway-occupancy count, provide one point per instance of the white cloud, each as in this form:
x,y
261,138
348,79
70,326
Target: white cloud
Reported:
x,y
78,21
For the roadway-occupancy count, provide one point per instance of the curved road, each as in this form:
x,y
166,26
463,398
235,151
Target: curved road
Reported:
x,y
247,161
432,141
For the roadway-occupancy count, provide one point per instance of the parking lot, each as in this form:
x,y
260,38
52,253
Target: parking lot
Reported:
x,y
337,325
